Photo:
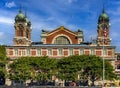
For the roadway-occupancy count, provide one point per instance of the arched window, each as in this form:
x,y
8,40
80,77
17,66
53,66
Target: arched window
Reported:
x,y
61,40
27,34
21,32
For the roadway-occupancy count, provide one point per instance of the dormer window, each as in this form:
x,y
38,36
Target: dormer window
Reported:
x,y
20,30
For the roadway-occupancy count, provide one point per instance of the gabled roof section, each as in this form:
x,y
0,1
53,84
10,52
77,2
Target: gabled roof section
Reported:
x,y
62,28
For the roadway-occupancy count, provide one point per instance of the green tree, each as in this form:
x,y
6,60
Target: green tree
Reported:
x,y
3,61
93,68
2,51
46,68
87,66
34,68
20,69
69,68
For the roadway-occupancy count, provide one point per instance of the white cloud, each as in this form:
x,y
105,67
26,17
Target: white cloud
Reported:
x,y
71,1
1,34
10,4
6,20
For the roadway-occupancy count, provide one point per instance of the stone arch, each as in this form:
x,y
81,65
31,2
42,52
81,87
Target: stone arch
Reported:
x,y
61,39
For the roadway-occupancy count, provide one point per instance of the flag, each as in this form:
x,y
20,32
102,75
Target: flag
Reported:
x,y
105,31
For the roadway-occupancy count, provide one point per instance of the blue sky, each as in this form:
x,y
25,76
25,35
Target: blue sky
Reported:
x,y
50,14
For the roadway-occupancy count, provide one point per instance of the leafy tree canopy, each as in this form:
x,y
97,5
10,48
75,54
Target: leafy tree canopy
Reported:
x,y
37,68
88,66
68,68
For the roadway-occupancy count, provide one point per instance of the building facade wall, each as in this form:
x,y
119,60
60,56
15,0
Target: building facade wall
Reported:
x,y
59,51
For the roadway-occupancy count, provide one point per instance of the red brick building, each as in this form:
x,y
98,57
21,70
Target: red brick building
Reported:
x,y
61,42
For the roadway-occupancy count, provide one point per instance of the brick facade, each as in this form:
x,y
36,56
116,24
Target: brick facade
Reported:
x,y
48,48
54,52
59,32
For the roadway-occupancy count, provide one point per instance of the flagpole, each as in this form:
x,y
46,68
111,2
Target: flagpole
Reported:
x,y
103,63
104,35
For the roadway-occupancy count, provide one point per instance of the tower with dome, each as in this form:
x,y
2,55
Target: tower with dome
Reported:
x,y
23,29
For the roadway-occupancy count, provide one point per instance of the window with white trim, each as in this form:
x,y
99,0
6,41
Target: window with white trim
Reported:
x,y
39,52
71,51
28,52
23,53
49,52
60,52
81,51
92,52
16,52
104,52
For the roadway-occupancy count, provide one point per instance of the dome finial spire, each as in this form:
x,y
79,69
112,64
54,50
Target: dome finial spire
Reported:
x,y
103,11
25,13
20,9
20,16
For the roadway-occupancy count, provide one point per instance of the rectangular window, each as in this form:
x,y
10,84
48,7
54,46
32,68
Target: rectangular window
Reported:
x,y
16,52
39,52
60,52
81,51
49,52
28,52
92,52
71,51
104,52
23,53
